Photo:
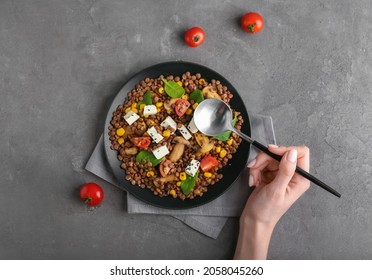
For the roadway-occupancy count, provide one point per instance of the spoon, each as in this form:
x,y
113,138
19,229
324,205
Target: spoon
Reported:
x,y
213,117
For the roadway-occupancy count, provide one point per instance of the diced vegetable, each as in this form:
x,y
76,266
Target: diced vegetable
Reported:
x,y
177,152
208,163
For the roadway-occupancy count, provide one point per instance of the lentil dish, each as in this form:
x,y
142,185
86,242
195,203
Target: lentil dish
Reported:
x,y
158,144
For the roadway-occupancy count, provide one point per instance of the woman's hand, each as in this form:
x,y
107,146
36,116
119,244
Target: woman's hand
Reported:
x,y
277,187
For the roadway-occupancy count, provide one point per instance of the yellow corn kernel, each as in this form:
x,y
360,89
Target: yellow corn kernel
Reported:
x,y
182,176
218,149
188,112
195,105
151,122
179,83
120,131
134,110
169,112
201,81
172,193
185,96
134,105
158,110
161,90
128,109
142,106
166,133
207,174
150,173
223,153
178,184
121,140
159,104
145,116
229,142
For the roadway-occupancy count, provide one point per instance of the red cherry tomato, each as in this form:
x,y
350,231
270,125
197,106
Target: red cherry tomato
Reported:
x,y
141,142
194,37
252,22
91,194
208,163
164,167
181,106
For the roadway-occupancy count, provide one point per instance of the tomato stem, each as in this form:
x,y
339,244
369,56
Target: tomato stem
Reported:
x,y
87,199
196,39
251,27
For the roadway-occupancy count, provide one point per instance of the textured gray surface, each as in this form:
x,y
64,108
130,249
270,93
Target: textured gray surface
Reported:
x,y
61,63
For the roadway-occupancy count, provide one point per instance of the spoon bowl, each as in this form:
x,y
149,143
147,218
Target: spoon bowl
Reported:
x,y
213,117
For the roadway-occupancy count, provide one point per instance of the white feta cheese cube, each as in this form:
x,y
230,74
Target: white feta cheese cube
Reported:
x,y
154,134
131,117
185,133
149,110
161,152
192,127
169,122
192,168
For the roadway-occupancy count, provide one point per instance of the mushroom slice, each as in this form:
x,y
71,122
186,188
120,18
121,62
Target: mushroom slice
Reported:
x,y
210,92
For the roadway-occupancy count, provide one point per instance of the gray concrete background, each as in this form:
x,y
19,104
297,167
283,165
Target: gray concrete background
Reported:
x,y
62,62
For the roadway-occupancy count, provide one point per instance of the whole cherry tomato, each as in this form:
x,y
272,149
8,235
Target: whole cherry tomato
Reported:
x,y
141,142
91,194
252,22
194,37
181,106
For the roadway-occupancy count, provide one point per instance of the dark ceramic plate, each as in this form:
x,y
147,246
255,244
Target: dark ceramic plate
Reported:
x,y
230,172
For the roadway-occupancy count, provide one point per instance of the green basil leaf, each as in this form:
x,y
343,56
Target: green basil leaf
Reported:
x,y
188,184
173,89
197,96
147,99
226,135
149,157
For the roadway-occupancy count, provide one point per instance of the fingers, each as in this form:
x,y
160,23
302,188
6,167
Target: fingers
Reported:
x,y
303,158
287,167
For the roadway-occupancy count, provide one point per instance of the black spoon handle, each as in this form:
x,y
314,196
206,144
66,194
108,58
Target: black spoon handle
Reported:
x,y
298,169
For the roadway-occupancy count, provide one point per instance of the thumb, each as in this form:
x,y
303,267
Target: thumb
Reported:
x,y
287,167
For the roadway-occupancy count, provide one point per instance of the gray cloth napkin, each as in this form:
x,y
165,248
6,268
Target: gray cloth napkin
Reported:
x,y
208,219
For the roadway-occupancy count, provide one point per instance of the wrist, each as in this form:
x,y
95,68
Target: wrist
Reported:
x,y
254,239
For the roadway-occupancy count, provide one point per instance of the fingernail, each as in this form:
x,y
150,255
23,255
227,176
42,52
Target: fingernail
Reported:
x,y
250,181
292,156
273,146
252,163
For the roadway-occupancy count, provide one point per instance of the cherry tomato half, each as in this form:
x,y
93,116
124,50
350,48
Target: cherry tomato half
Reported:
x,y
194,37
181,106
252,22
141,142
92,194
208,162
165,167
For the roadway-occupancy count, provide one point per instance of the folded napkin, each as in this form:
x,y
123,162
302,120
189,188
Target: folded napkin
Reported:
x,y
210,218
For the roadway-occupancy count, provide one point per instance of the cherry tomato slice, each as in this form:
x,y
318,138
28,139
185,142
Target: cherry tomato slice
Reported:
x,y
208,163
141,142
181,106
164,167
194,37
252,22
92,194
